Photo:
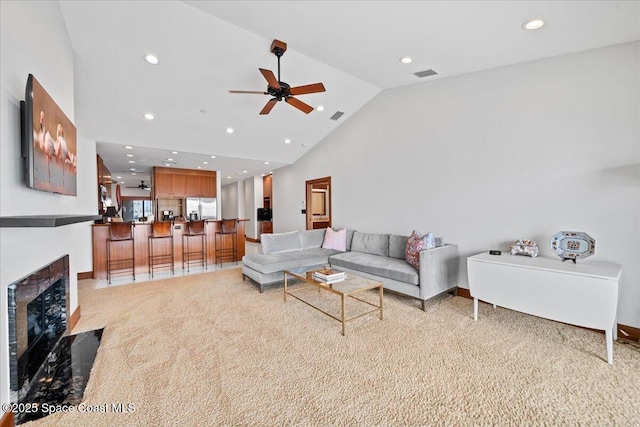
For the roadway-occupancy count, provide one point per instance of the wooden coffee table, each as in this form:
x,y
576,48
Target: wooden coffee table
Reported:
x,y
349,287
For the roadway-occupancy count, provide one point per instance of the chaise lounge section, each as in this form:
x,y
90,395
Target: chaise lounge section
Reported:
x,y
376,256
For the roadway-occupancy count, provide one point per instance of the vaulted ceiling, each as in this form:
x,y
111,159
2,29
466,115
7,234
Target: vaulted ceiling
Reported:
x,y
206,48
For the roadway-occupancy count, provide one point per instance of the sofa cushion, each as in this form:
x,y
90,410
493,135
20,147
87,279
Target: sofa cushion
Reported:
x,y
336,240
398,246
417,243
312,238
349,238
374,244
281,242
383,266
270,263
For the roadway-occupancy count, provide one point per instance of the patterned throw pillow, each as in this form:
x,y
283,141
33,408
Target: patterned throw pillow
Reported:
x,y
336,240
416,243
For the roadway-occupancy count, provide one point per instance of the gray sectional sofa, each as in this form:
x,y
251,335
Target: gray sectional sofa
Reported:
x,y
376,256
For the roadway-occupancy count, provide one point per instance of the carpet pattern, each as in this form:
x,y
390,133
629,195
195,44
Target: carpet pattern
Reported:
x,y
211,350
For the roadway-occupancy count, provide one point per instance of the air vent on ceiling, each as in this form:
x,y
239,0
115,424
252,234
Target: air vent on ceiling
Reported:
x,y
337,115
426,73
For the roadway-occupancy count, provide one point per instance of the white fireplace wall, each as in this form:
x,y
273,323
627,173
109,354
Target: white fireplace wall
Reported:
x,y
34,40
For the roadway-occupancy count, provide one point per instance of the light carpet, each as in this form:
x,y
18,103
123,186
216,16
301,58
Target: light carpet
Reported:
x,y
210,350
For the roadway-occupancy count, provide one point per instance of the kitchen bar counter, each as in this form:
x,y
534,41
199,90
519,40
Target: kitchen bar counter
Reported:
x,y
141,231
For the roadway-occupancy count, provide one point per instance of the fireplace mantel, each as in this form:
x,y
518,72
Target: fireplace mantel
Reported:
x,y
44,220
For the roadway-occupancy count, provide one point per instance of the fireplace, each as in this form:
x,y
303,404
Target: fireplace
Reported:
x,y
46,365
38,313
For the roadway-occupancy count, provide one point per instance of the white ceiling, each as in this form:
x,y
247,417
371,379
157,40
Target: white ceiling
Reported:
x,y
353,47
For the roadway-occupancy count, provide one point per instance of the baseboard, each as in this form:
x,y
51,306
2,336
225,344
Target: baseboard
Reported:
x,y
625,332
629,333
85,275
249,239
463,292
75,316
8,420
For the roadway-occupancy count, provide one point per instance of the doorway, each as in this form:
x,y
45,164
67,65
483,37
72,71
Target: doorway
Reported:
x,y
318,201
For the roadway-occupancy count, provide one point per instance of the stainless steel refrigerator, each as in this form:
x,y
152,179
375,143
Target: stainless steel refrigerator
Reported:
x,y
204,207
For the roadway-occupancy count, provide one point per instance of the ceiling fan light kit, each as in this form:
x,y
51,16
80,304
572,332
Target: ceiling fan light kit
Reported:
x,y
280,90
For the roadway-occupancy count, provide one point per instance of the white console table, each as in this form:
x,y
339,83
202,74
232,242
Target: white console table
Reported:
x,y
583,294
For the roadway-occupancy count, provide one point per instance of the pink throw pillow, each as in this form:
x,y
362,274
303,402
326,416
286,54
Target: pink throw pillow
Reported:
x,y
416,243
336,240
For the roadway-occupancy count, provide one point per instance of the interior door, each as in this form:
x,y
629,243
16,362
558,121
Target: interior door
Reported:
x,y
318,202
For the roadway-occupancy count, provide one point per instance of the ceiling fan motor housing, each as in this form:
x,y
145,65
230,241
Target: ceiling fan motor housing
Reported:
x,y
278,48
283,92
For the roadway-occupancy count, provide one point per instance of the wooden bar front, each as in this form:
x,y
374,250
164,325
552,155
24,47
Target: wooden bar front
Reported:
x,y
100,234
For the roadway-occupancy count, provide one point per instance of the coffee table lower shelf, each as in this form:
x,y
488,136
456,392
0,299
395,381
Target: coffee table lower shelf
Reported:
x,y
349,287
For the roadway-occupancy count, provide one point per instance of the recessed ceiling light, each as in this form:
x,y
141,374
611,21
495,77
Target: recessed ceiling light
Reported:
x,y
228,177
174,152
129,155
167,164
121,182
262,174
169,160
205,163
198,167
118,177
132,161
229,130
287,141
270,172
132,169
406,60
244,171
151,59
213,157
128,147
266,163
533,24
148,116
320,108
133,174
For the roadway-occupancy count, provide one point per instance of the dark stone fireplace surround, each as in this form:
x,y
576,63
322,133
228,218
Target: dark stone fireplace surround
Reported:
x,y
38,308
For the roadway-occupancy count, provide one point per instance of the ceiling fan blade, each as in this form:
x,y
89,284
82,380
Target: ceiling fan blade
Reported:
x,y
271,78
301,90
305,108
269,106
249,91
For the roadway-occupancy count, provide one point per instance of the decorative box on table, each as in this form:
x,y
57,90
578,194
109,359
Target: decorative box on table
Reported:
x,y
525,247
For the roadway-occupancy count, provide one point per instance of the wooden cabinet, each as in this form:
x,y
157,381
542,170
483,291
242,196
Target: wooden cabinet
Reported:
x,y
208,186
194,186
169,185
267,192
267,227
201,186
162,185
181,183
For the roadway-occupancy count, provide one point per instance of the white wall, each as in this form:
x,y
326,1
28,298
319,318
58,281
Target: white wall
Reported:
x,y
34,40
229,200
483,159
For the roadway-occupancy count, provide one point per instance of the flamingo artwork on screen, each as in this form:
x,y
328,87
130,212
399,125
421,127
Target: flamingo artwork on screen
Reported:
x,y
50,155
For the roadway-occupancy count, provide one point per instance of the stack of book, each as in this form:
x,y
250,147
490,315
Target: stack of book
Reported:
x,y
329,276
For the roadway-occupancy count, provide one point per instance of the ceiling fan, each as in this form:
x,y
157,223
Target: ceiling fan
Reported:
x,y
142,186
280,90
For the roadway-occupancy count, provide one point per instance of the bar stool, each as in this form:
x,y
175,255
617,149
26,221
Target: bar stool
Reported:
x,y
161,231
194,253
223,251
119,234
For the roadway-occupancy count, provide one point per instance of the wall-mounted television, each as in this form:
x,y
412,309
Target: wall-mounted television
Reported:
x,y
48,141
